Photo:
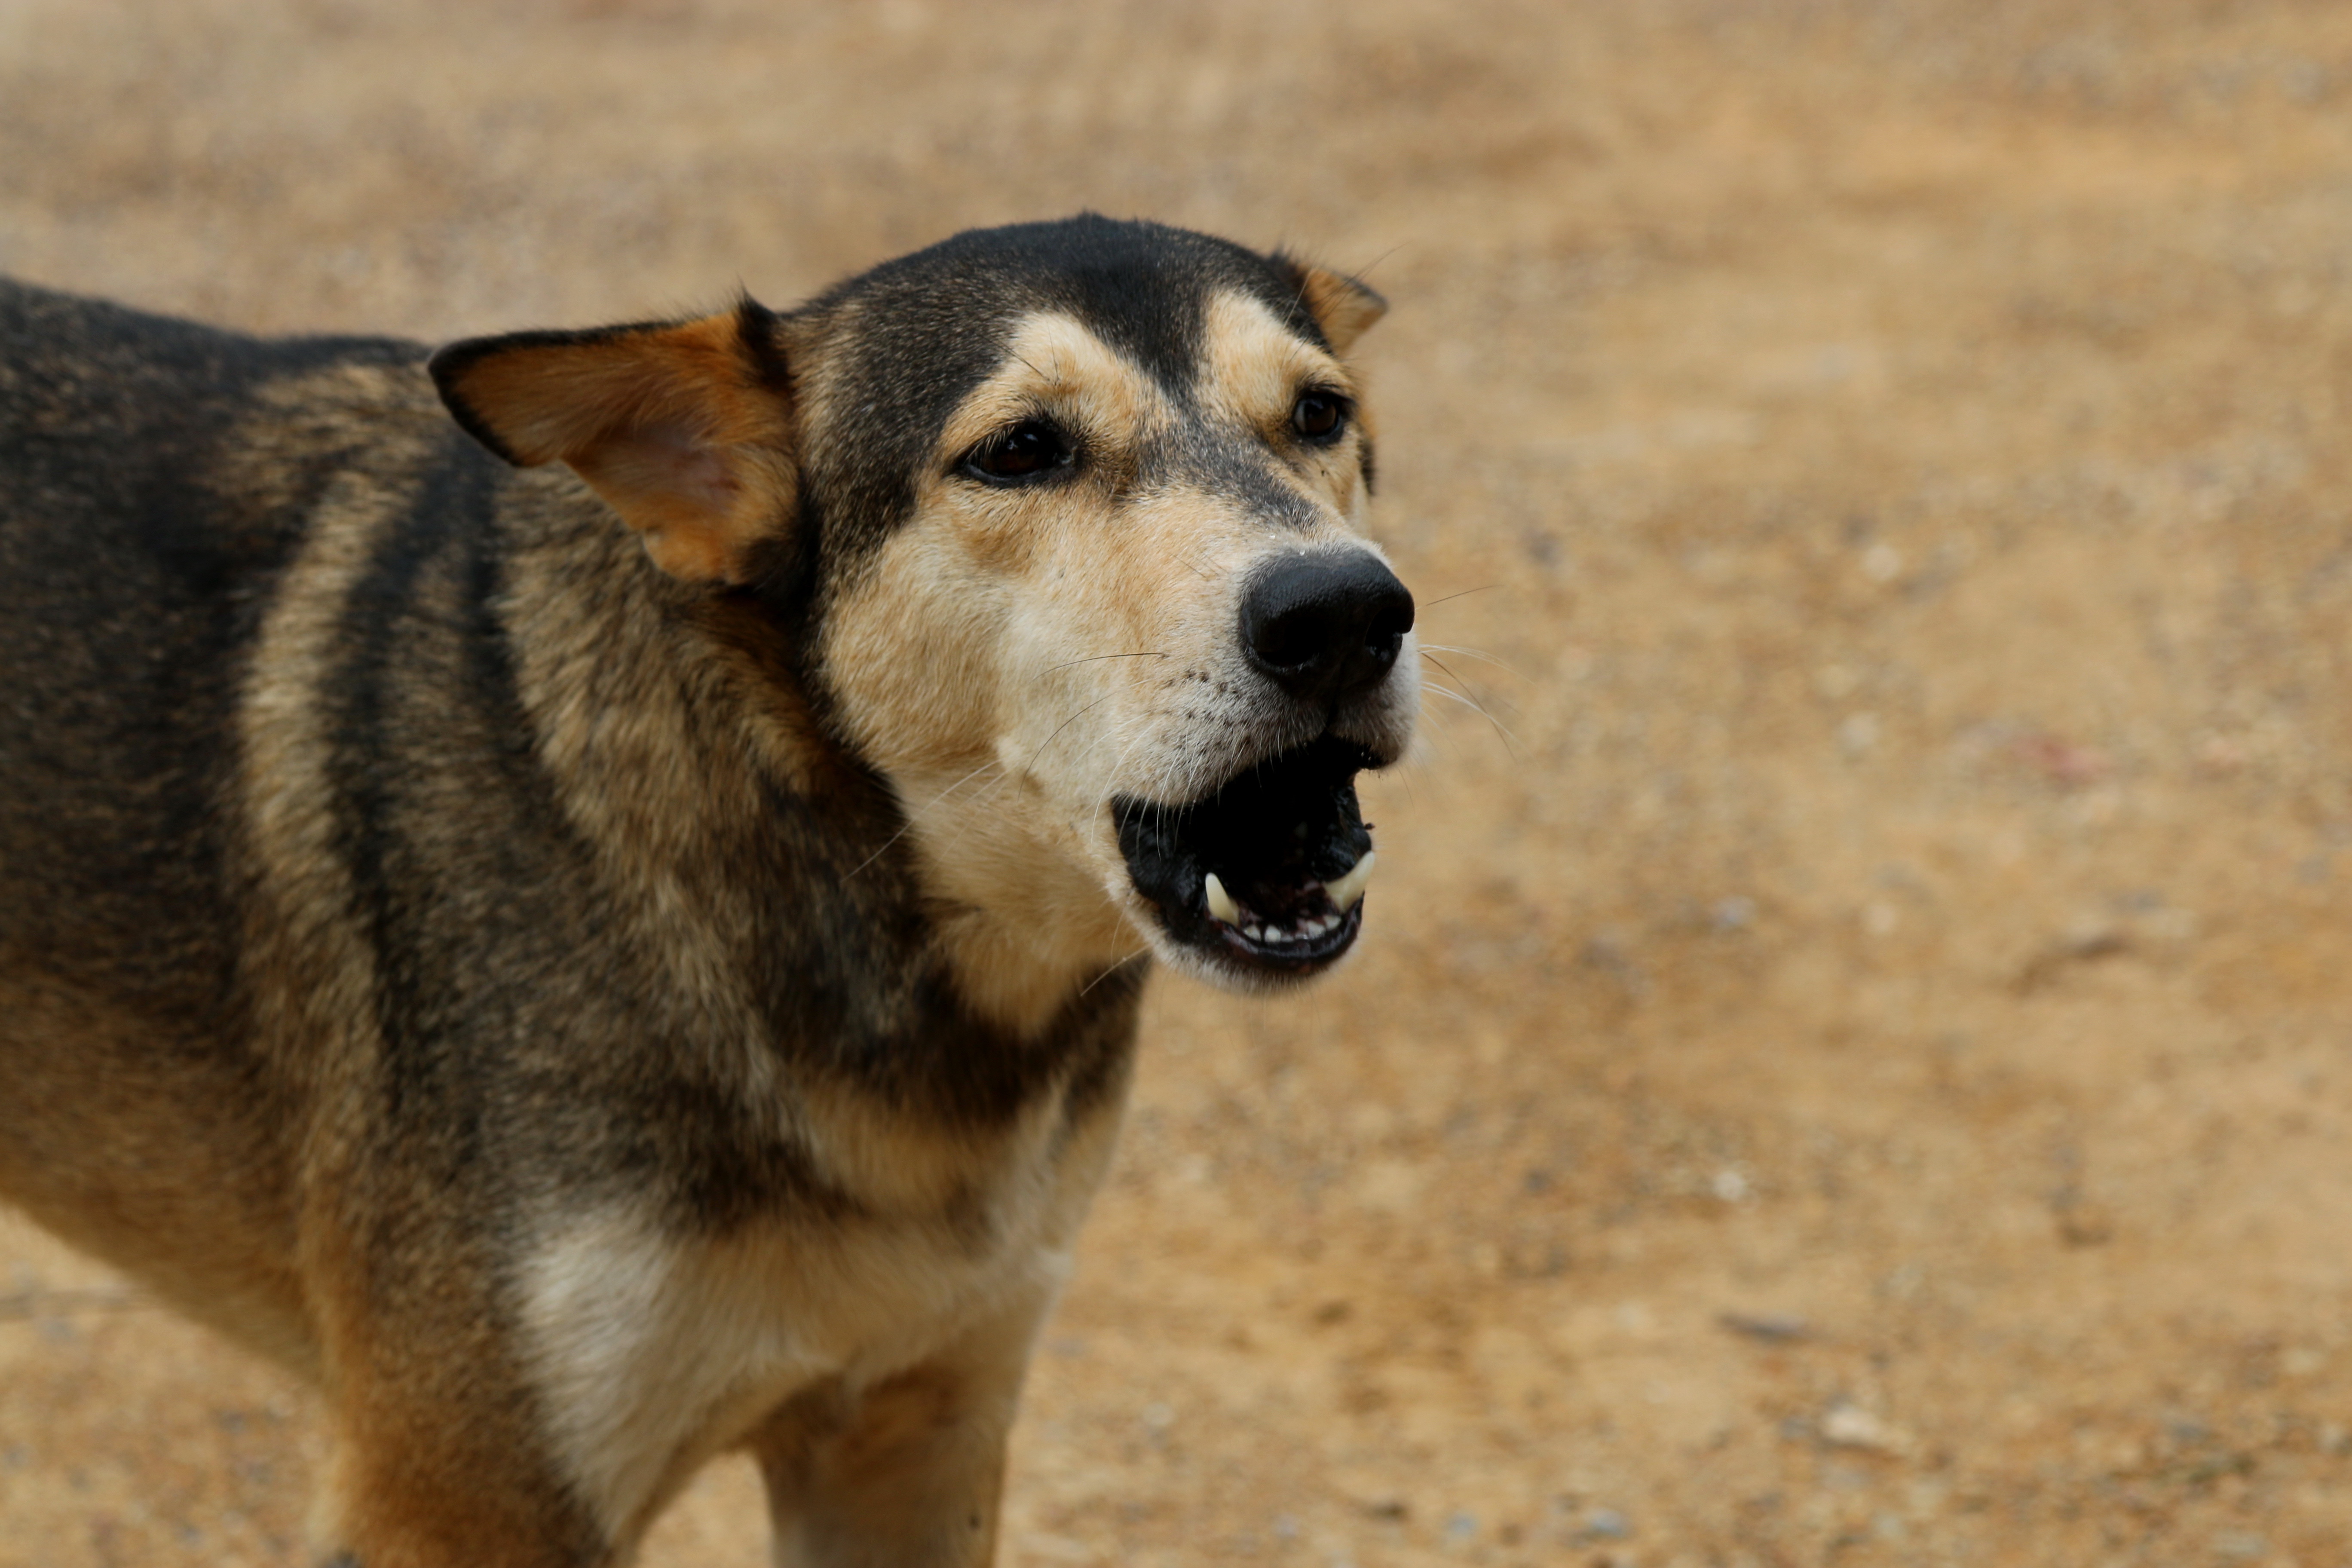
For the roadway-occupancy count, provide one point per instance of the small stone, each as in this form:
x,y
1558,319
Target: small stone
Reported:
x,y
1606,1524
1847,1425
1772,1327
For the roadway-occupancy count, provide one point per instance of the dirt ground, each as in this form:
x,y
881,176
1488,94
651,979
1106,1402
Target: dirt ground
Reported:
x,y
1848,1063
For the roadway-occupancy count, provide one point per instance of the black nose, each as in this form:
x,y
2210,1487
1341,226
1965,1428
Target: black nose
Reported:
x,y
1323,627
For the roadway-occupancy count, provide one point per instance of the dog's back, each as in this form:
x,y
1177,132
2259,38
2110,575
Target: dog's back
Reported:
x,y
136,588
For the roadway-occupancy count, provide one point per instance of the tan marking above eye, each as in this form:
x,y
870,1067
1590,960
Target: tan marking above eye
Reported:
x,y
1056,370
1256,369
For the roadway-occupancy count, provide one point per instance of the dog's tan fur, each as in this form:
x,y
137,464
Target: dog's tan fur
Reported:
x,y
549,1252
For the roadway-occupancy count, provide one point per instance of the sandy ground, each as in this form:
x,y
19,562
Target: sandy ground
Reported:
x,y
1848,1064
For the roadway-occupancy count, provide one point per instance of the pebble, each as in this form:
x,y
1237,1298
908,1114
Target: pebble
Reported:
x,y
1851,1426
1607,1524
1772,1327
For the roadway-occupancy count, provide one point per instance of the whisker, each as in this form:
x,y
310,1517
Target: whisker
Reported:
x,y
1445,742
1439,738
1433,603
1478,654
1126,751
1509,741
917,816
1434,689
1114,969
1455,677
1098,657
1074,719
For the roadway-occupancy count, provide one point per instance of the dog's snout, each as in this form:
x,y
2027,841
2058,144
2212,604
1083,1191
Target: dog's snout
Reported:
x,y
1324,626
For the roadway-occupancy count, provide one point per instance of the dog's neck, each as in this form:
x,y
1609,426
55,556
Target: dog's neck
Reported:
x,y
1022,931
782,830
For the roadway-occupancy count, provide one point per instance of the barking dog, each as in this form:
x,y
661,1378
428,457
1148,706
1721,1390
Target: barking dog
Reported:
x,y
614,933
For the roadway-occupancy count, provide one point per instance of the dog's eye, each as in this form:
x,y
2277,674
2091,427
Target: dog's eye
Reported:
x,y
1320,416
1030,449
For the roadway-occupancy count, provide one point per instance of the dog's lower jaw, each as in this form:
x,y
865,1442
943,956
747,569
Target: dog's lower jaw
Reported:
x,y
1241,980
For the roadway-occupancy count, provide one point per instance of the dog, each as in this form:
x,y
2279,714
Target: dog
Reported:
x,y
610,930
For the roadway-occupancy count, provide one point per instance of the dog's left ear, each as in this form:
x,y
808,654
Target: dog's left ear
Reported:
x,y
1342,306
685,428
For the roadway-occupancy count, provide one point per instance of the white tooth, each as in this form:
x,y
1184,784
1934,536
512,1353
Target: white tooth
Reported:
x,y
1344,892
1220,902
1256,933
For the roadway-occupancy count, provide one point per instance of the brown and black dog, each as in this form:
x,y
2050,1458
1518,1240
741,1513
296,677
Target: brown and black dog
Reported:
x,y
614,933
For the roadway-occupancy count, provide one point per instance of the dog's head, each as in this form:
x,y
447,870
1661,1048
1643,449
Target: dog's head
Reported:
x,y
1065,515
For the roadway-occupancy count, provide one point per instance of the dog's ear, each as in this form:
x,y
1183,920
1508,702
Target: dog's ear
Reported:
x,y
1342,306
685,428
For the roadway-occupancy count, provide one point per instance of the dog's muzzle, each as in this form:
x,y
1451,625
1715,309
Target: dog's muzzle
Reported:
x,y
1268,873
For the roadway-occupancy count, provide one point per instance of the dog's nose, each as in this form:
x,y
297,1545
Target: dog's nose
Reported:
x,y
1325,627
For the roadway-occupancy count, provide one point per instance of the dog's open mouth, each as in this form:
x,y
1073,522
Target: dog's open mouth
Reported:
x,y
1268,872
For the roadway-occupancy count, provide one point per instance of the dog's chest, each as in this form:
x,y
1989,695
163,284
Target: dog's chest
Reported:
x,y
652,1350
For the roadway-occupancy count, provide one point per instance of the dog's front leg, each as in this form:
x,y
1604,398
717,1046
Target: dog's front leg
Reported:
x,y
436,1464
908,1472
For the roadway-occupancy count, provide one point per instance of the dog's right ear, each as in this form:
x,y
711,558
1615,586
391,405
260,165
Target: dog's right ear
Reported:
x,y
687,429
1343,307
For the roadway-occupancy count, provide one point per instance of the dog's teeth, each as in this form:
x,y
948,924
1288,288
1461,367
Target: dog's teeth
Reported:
x,y
1256,933
1344,892
1220,902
